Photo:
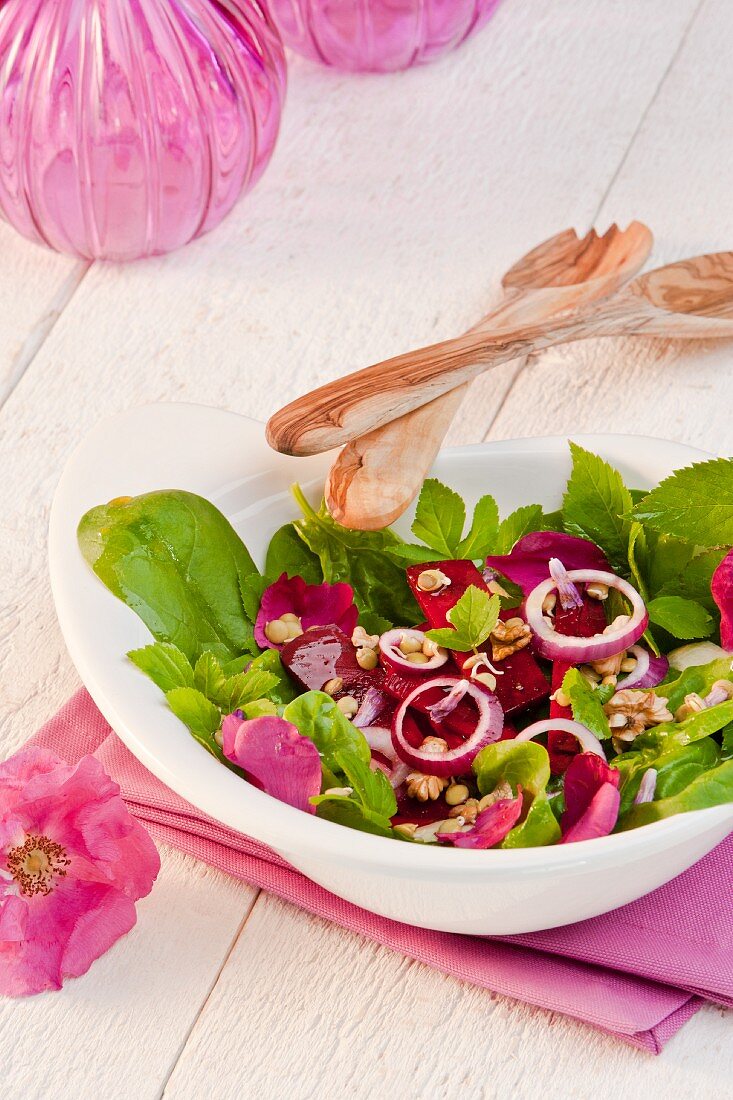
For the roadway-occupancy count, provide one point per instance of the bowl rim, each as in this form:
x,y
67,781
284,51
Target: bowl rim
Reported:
x,y
288,829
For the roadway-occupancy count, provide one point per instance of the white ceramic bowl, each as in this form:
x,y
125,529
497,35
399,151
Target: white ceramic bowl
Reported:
x,y
224,457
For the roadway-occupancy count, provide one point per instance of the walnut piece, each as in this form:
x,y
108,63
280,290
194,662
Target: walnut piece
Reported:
x,y
631,711
509,637
425,787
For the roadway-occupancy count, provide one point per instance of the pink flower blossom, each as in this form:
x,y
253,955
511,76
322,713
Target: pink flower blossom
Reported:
x,y
528,563
73,862
314,604
272,751
722,592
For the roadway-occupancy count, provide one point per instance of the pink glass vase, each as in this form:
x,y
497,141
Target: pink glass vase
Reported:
x,y
129,127
377,35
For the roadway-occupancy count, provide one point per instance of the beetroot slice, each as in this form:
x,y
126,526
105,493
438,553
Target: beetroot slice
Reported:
x,y
581,622
321,654
523,683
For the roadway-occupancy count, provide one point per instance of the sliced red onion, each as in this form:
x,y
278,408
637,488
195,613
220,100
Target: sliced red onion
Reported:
x,y
647,787
379,765
567,592
372,705
439,711
455,761
389,647
649,670
588,741
379,739
399,774
572,650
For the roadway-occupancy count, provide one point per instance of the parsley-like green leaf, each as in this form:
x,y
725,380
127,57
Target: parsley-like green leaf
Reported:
x,y
516,525
596,503
695,503
164,663
586,703
482,536
208,677
195,711
472,618
439,518
680,617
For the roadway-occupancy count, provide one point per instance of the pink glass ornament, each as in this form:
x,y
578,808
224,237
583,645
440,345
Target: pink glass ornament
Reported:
x,y
129,127
377,35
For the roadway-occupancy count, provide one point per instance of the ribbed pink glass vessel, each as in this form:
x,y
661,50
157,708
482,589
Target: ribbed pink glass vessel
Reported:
x,y
377,35
128,127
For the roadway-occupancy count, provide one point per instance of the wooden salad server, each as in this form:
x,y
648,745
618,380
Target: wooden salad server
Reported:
x,y
692,298
375,477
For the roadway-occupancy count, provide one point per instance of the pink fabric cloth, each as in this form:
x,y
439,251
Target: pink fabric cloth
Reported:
x,y
638,973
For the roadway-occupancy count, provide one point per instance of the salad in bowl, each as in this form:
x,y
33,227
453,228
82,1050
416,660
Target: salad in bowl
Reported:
x,y
525,681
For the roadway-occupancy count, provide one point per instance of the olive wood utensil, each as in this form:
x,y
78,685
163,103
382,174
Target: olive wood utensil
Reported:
x,y
691,298
375,477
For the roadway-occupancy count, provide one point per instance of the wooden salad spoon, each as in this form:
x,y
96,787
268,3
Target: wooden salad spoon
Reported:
x,y
692,298
375,477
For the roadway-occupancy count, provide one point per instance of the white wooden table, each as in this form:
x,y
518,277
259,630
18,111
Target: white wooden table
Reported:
x,y
390,210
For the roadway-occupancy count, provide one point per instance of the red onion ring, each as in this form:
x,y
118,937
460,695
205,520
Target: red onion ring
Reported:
x,y
588,741
573,650
392,655
649,670
372,705
399,774
379,739
455,761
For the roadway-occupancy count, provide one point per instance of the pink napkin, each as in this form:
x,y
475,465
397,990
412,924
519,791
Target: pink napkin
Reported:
x,y
637,973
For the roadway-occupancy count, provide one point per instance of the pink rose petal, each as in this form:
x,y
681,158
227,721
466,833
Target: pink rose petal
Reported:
x,y
314,604
528,563
286,764
721,589
592,798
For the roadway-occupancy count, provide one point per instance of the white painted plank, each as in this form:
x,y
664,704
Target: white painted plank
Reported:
x,y
117,1032
303,1010
678,177
35,285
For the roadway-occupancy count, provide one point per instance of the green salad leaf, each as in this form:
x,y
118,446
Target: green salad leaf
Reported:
x,y
472,620
596,504
695,680
680,617
287,553
371,793
439,518
484,531
695,502
284,689
713,787
525,765
178,563
361,559
587,702
316,715
164,663
676,766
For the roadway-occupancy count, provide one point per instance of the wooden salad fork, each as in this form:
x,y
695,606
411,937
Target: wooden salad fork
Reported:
x,y
692,298
374,478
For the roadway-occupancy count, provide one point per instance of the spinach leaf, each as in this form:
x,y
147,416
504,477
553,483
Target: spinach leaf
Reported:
x,y
287,553
596,503
350,812
697,679
178,563
525,764
539,828
361,559
676,766
164,663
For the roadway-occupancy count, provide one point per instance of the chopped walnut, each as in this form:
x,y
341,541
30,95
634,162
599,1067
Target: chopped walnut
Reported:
x,y
509,637
631,711
425,788
609,666
500,792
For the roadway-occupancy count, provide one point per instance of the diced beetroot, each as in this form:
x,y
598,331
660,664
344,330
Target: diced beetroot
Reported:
x,y
523,683
456,728
409,810
321,654
582,622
